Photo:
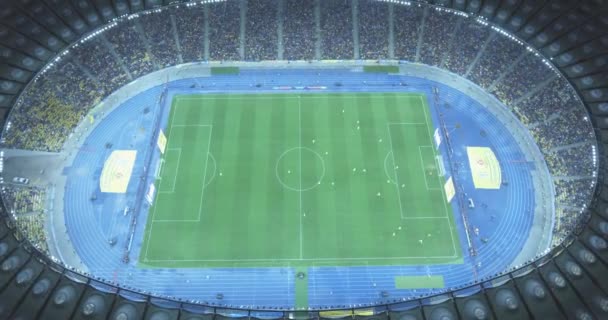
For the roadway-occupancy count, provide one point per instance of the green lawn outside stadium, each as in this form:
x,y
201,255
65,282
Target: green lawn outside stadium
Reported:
x,y
262,180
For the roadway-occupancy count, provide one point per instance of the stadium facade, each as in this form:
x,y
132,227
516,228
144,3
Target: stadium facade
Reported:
x,y
558,70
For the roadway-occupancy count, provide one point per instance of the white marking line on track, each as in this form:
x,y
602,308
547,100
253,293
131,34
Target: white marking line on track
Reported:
x,y
300,150
424,170
428,129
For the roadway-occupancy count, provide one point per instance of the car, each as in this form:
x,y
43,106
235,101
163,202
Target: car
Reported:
x,y
21,180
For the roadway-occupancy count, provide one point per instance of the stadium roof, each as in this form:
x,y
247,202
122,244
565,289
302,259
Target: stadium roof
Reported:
x,y
569,280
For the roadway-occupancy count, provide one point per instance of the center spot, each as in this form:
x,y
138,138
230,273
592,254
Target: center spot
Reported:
x,y
300,169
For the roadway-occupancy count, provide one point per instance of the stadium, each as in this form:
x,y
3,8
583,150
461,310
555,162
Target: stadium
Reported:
x,y
303,159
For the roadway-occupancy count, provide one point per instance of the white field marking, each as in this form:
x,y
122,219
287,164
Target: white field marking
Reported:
x,y
300,150
386,168
307,259
397,185
312,259
179,158
276,170
423,169
161,181
427,119
210,155
203,182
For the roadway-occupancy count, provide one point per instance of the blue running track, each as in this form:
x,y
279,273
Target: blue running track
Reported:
x,y
92,218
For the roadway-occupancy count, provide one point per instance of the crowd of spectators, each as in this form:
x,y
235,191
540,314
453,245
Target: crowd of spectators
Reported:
x,y
32,226
47,113
27,208
522,78
224,30
544,102
573,193
575,161
23,200
95,55
158,30
407,21
51,108
337,29
559,131
439,28
261,38
373,30
470,40
190,24
567,221
129,46
498,56
299,36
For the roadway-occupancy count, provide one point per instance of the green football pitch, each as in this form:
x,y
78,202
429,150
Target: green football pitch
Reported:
x,y
299,180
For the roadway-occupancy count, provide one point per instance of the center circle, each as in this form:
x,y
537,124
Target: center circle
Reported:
x,y
300,169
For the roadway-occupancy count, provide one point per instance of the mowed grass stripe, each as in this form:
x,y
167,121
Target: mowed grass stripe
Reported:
x,y
341,221
285,203
323,198
382,215
262,148
357,220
